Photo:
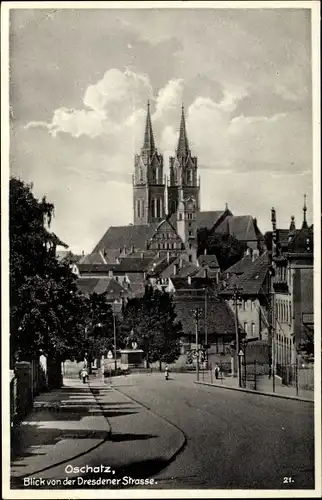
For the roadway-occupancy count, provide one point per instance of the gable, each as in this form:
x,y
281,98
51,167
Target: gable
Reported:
x,y
208,219
240,226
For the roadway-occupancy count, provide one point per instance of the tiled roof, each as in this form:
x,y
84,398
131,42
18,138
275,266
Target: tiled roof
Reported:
x,y
161,265
241,226
108,286
117,237
208,219
208,260
131,264
196,283
220,319
96,268
127,264
303,241
92,258
241,266
187,270
253,281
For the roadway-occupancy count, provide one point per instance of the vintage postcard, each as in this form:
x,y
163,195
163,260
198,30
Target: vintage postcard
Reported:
x,y
161,225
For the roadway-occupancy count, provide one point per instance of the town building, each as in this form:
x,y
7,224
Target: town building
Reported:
x,y
292,290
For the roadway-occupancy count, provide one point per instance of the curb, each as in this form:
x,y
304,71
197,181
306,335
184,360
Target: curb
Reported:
x,y
184,438
261,393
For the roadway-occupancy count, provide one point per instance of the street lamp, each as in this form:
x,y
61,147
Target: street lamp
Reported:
x,y
235,295
197,313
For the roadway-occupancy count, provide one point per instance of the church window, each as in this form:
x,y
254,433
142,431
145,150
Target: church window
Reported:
x,y
189,177
138,208
246,327
140,174
253,329
158,214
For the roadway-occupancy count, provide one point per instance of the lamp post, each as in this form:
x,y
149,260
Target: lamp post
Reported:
x,y
115,303
197,314
235,295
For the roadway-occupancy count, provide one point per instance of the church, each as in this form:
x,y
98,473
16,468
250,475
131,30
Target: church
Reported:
x,y
166,211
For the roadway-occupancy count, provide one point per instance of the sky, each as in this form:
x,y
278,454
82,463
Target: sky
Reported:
x,y
79,84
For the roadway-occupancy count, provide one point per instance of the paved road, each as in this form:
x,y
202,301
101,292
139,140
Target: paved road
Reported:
x,y
234,439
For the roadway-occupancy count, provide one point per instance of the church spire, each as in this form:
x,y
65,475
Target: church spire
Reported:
x,y
148,144
304,225
183,145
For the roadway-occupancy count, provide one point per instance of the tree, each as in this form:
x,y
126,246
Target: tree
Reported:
x,y
47,311
226,247
99,326
153,320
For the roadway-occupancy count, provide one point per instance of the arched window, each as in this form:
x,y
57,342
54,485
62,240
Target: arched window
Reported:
x,y
140,174
138,209
189,177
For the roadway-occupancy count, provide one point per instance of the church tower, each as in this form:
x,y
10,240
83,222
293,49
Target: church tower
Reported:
x,y
183,172
187,225
148,181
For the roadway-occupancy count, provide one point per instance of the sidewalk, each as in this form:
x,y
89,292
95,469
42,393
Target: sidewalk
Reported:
x,y
264,385
90,425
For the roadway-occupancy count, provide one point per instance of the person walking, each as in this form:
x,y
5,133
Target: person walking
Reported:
x,y
217,371
84,375
166,373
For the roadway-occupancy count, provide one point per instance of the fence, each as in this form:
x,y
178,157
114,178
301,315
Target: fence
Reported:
x,y
291,380
27,380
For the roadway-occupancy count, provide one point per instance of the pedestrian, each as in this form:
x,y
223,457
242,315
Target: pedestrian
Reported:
x,y
166,373
217,370
84,375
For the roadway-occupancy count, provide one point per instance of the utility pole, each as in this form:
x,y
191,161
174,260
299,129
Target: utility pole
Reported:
x,y
236,290
197,313
114,335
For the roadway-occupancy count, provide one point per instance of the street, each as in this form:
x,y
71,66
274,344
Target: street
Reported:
x,y
179,434
234,440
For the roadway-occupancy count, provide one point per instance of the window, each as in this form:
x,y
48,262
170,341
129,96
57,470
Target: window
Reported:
x,y
180,216
246,327
253,329
290,313
190,258
138,208
116,278
189,177
140,174
158,209
190,246
252,305
189,224
244,305
190,233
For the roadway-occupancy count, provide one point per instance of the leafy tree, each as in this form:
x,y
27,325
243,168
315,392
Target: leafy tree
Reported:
x,y
226,247
99,326
153,320
47,311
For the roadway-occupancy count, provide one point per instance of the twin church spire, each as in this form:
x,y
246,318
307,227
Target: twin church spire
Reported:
x,y
149,188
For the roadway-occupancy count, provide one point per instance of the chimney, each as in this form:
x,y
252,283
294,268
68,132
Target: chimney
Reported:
x,y
255,255
189,280
175,269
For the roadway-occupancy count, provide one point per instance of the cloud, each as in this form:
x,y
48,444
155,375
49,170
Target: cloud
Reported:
x,y
169,98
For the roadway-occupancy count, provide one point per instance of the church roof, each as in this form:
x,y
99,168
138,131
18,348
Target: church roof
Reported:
x,y
243,227
118,237
208,219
